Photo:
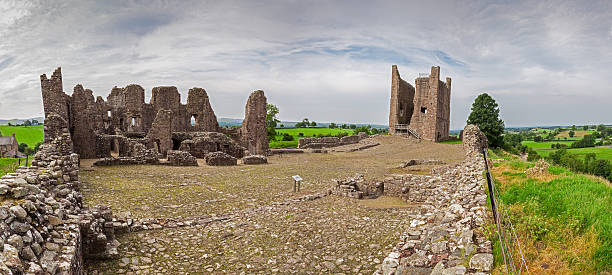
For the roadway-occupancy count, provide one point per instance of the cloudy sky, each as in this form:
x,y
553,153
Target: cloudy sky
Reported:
x,y
545,62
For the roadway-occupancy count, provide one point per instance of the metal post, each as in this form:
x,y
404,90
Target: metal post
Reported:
x,y
299,183
19,162
490,185
27,158
294,185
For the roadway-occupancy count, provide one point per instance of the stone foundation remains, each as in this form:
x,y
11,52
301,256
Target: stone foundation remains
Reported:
x,y
255,159
329,142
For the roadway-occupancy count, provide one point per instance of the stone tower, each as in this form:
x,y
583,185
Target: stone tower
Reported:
x,y
424,110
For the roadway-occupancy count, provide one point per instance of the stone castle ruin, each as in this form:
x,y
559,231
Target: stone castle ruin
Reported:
x,y
423,110
124,125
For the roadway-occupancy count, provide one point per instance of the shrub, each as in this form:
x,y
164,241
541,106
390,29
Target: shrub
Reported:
x,y
287,137
301,134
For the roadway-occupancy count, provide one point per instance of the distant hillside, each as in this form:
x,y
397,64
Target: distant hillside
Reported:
x,y
16,121
288,124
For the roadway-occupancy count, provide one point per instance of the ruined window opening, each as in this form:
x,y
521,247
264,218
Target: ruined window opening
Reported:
x,y
133,121
226,148
424,110
108,113
193,120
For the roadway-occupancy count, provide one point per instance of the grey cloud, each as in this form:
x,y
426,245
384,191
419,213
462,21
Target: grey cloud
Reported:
x,y
326,61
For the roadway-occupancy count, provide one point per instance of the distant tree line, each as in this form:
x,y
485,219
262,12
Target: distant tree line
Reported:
x,y
27,123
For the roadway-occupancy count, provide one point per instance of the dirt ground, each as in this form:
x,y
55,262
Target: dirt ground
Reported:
x,y
331,234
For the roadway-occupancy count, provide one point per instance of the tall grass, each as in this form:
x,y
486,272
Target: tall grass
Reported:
x,y
568,218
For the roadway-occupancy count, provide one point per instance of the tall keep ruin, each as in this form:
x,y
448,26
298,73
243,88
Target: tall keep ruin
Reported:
x,y
424,111
103,128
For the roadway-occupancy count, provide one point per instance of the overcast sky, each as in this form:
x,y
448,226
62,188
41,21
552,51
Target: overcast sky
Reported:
x,y
545,62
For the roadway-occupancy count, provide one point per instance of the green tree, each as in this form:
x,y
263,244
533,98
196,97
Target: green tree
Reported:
x,y
485,114
22,147
27,123
353,126
10,124
573,127
35,122
332,125
585,127
271,120
313,124
344,126
572,133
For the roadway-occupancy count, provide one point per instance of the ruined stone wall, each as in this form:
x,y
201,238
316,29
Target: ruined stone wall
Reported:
x,y
254,133
44,228
161,131
199,144
429,107
402,100
83,117
125,113
198,107
329,142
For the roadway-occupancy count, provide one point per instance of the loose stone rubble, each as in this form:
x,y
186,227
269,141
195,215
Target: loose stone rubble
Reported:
x,y
540,169
44,228
447,236
181,158
413,162
220,159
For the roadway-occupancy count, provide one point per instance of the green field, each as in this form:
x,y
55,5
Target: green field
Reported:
x,y
545,144
30,135
600,153
308,132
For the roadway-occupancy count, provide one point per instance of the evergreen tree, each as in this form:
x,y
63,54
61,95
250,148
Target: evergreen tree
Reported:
x,y
485,114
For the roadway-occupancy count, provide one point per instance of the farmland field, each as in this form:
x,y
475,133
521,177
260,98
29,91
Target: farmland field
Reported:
x,y
308,132
30,135
578,134
600,152
546,144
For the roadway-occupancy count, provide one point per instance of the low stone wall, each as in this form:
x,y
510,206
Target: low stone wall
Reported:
x,y
447,235
181,158
255,159
220,159
328,142
44,228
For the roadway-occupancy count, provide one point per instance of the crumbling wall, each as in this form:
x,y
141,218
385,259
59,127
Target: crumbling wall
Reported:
x,y
91,121
198,107
83,116
402,101
199,144
474,140
44,228
161,131
181,158
254,133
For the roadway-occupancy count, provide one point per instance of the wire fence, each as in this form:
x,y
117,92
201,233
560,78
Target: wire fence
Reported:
x,y
514,260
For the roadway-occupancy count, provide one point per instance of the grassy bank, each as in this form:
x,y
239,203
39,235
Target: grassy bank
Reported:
x,y
8,165
563,219
31,135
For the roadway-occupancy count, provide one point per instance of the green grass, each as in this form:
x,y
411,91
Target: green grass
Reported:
x,y
8,165
600,153
31,135
307,132
564,221
451,142
546,144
